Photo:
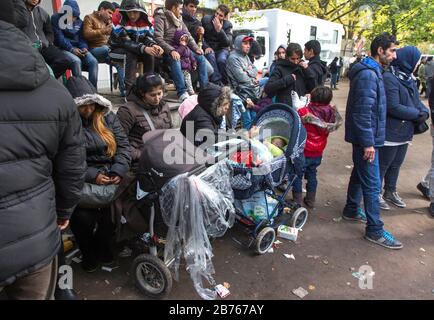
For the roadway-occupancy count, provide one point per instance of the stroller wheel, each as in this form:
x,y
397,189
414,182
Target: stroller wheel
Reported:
x,y
299,218
264,240
152,276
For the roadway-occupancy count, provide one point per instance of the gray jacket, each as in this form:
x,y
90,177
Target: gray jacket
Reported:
x,y
165,27
242,73
38,26
429,69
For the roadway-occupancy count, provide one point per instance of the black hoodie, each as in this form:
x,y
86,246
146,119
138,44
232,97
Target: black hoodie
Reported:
x,y
281,81
319,68
42,159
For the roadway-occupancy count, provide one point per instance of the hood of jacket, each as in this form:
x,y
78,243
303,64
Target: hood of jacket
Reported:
x,y
133,5
212,99
75,8
178,35
22,66
325,117
406,59
84,92
367,63
237,43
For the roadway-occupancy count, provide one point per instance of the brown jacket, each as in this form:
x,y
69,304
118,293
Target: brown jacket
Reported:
x,y
165,26
95,31
135,124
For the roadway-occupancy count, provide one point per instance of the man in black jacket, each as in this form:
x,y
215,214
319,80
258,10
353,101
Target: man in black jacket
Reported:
x,y
192,23
218,40
36,25
42,165
312,49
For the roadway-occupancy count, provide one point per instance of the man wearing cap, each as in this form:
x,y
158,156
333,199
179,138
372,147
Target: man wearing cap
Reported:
x,y
242,73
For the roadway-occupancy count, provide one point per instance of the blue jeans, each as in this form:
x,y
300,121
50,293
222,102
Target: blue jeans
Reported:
x,y
102,55
310,171
334,80
247,118
178,76
391,159
88,63
365,181
263,81
217,60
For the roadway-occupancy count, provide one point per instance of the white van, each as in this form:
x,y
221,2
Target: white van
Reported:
x,y
274,27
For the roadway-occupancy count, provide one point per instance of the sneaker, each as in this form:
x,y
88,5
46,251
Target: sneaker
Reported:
x,y
394,198
359,217
424,190
431,209
386,240
383,204
183,96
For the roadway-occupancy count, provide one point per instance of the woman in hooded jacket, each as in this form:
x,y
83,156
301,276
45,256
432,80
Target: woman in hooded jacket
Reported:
x,y
405,111
108,161
289,75
213,105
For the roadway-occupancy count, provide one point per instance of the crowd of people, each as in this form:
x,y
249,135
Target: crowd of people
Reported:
x,y
64,137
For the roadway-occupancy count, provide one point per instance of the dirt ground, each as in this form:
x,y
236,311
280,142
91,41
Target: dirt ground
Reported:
x,y
339,246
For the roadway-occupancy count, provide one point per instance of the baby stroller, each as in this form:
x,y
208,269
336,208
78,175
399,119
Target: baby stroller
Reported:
x,y
256,185
151,274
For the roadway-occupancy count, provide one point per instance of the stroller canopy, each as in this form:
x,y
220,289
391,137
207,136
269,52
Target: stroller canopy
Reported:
x,y
279,119
166,154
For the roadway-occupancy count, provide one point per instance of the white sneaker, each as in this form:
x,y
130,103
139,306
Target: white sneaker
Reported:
x,y
183,96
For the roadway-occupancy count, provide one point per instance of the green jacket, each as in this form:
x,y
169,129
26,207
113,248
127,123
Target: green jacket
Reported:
x,y
421,72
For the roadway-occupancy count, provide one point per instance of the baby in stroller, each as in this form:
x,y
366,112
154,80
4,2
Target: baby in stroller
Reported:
x,y
258,205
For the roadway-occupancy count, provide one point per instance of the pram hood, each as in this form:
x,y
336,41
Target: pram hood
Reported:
x,y
166,154
279,119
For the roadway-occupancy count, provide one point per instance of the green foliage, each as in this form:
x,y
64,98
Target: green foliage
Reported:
x,y
410,20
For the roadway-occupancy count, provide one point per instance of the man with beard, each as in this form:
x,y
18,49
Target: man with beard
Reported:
x,y
365,129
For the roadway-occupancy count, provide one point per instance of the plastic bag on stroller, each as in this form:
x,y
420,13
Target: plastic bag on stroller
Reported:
x,y
194,208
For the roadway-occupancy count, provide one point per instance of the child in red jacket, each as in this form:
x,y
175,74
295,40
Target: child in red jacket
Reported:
x,y
319,118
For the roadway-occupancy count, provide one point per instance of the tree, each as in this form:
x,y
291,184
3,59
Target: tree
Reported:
x,y
410,20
